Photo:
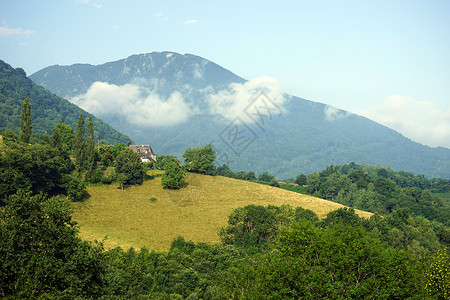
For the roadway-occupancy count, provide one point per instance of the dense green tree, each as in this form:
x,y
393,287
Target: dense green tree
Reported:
x,y
26,126
65,136
336,262
438,275
173,177
80,143
161,160
224,170
313,183
200,160
36,167
75,187
129,167
253,227
265,176
250,176
301,179
307,214
41,254
90,152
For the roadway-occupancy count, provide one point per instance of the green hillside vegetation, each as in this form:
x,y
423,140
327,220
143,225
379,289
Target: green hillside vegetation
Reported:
x,y
197,212
245,240
47,108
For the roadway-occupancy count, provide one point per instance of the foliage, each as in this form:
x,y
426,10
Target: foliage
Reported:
x,y
380,190
274,183
438,275
90,153
301,179
254,227
173,177
336,262
200,160
40,252
80,143
161,160
186,271
265,176
48,109
37,167
129,167
25,121
75,187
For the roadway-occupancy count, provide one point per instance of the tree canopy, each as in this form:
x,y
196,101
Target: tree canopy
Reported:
x,y
200,160
129,166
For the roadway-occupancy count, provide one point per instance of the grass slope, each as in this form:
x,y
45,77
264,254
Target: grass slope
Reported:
x,y
131,219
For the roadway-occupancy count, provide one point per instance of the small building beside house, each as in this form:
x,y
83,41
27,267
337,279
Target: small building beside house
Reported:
x,y
145,152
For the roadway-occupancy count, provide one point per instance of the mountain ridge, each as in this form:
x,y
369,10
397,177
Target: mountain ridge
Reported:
x,y
175,101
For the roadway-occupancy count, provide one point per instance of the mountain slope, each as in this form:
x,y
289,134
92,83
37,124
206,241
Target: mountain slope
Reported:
x,y
47,108
174,101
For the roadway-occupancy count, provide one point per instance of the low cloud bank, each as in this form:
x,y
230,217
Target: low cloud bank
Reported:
x,y
333,113
139,105
232,102
420,121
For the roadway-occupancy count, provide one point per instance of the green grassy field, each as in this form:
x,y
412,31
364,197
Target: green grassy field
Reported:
x,y
131,218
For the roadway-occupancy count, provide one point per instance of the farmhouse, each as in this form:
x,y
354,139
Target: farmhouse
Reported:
x,y
145,152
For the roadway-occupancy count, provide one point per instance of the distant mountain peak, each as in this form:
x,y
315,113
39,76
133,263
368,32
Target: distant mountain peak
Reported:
x,y
174,101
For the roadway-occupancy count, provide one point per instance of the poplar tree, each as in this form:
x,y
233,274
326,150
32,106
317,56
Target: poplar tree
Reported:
x,y
25,121
90,150
80,143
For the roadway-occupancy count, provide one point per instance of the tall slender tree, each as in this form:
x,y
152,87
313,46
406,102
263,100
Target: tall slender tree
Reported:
x,y
80,143
25,121
90,150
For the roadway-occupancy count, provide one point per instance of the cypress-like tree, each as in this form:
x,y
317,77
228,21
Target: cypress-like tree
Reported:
x,y
25,121
80,143
90,150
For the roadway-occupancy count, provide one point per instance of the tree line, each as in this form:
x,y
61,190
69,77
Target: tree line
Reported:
x,y
265,252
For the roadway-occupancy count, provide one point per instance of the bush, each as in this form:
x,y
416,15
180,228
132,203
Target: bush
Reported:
x,y
108,179
173,178
274,183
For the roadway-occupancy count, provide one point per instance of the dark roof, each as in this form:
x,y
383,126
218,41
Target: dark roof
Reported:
x,y
144,151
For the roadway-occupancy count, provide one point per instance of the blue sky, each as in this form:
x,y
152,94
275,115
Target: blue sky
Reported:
x,y
387,60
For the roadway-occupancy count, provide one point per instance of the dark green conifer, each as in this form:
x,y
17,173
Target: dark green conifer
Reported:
x,y
80,143
25,121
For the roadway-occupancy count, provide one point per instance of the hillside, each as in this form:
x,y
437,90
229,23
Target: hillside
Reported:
x,y
47,108
196,212
175,101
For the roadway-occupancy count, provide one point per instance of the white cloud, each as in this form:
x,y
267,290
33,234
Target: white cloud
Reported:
x,y
420,121
5,31
96,4
232,102
161,16
333,113
137,104
190,22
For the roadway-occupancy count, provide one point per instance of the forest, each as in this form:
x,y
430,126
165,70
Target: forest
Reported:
x,y
267,252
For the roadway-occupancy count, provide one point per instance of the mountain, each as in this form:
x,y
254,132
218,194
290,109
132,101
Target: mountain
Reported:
x,y
47,109
175,101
